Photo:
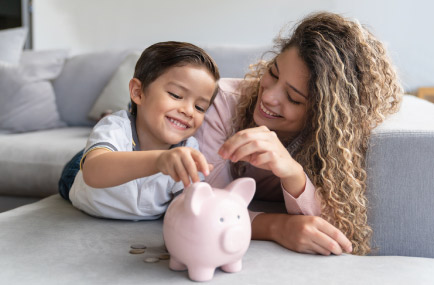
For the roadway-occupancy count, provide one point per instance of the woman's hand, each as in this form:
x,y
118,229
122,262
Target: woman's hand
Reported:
x,y
305,234
260,147
183,163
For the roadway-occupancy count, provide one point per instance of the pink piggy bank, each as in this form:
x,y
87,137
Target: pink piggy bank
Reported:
x,y
206,228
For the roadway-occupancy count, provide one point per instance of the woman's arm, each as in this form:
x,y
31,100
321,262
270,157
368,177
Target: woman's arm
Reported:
x,y
305,234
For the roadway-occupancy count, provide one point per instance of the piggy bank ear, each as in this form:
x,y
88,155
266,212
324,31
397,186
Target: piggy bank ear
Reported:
x,y
195,195
244,187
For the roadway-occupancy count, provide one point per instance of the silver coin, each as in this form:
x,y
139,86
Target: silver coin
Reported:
x,y
151,259
138,246
137,251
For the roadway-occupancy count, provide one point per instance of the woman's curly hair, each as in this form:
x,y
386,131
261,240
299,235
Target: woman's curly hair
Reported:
x,y
352,87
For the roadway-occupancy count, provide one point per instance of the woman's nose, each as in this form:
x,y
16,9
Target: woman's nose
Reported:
x,y
271,95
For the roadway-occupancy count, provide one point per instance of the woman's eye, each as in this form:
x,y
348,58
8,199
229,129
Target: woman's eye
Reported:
x,y
200,109
272,74
174,95
292,100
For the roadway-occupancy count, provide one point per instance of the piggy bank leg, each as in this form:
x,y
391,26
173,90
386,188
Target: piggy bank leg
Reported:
x,y
200,273
232,267
175,265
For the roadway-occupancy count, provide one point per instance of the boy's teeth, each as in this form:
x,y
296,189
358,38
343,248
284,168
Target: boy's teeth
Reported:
x,y
178,123
268,112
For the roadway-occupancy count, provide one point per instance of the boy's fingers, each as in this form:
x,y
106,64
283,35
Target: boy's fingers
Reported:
x,y
182,173
190,168
200,162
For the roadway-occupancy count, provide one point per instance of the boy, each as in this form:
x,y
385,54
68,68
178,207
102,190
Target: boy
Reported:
x,y
133,163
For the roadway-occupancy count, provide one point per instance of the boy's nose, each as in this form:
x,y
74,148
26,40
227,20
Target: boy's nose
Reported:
x,y
187,110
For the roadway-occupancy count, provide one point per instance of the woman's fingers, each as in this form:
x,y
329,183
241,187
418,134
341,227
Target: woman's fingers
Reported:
x,y
325,245
241,138
245,151
318,249
310,234
337,236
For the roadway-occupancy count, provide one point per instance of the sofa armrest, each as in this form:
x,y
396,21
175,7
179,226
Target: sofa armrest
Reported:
x,y
400,186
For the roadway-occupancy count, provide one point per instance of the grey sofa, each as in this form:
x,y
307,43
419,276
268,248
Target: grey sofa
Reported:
x,y
50,242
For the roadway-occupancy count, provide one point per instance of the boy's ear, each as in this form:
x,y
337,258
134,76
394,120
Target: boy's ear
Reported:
x,y
135,87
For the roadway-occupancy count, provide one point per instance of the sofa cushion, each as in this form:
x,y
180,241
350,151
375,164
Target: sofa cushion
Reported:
x,y
11,45
79,249
116,95
31,163
81,82
27,99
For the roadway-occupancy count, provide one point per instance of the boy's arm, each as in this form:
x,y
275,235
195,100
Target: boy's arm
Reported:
x,y
103,168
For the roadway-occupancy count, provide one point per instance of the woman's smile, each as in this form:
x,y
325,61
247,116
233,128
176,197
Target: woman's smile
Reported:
x,y
267,113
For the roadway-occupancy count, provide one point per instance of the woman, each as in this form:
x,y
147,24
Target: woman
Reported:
x,y
305,117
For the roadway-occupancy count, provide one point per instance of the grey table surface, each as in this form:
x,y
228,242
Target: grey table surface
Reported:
x,y
50,242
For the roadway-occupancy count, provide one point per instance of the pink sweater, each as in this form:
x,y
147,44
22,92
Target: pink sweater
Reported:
x,y
216,128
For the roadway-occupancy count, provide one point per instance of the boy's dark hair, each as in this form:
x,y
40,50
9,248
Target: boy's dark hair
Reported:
x,y
159,57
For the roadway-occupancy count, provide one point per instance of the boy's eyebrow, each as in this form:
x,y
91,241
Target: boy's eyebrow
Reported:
x,y
179,85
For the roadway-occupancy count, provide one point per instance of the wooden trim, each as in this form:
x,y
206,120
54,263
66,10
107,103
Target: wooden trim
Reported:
x,y
426,93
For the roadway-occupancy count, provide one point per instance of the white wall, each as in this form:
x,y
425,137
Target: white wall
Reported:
x,y
406,27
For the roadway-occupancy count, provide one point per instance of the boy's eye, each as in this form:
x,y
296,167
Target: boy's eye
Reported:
x,y
174,95
200,109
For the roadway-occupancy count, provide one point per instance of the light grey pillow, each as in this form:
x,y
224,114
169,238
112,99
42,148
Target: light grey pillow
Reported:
x,y
82,80
115,95
11,45
27,99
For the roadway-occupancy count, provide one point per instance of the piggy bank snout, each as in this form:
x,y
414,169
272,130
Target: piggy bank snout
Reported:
x,y
235,239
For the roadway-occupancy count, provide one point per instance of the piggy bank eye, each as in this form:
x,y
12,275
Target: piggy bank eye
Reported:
x,y
238,217
222,220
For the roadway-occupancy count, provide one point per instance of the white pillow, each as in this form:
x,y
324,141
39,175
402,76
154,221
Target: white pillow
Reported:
x,y
116,95
27,99
11,45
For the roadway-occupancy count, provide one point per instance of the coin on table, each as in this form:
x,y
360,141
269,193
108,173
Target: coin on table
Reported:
x,y
138,246
151,259
137,251
164,256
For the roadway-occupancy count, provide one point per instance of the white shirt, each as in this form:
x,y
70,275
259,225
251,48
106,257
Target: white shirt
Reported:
x,y
145,198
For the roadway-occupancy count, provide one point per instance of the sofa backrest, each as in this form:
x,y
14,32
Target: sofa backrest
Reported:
x,y
84,76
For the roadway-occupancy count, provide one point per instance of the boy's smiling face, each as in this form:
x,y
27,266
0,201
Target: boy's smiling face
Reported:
x,y
173,106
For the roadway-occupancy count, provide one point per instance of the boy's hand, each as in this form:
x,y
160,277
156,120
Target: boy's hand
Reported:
x,y
183,163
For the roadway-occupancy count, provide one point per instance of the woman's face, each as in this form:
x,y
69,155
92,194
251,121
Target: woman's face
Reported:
x,y
282,99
